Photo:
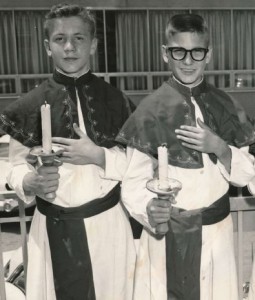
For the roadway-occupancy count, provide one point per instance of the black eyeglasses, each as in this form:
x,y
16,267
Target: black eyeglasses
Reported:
x,y
179,53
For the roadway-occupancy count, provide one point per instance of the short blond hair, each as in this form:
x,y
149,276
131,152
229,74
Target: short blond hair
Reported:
x,y
69,10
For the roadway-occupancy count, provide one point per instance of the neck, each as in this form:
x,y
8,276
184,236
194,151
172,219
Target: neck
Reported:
x,y
190,86
71,75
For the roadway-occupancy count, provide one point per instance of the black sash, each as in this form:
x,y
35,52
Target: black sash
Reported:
x,y
183,247
72,269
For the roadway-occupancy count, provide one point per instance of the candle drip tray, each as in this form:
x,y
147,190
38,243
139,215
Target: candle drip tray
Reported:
x,y
56,151
174,186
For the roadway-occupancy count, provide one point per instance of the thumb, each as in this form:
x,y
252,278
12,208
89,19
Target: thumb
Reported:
x,y
201,124
78,131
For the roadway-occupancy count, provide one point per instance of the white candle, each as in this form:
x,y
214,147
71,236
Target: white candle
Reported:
x,y
163,167
46,128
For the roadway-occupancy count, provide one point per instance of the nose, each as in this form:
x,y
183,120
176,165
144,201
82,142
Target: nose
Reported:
x,y
69,45
188,59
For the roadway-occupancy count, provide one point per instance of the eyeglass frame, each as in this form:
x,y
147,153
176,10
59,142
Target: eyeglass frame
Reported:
x,y
170,49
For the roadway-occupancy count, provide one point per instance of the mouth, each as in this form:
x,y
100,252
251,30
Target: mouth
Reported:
x,y
70,59
188,71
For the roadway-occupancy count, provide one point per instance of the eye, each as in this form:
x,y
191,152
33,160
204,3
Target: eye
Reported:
x,y
178,51
199,51
80,38
59,39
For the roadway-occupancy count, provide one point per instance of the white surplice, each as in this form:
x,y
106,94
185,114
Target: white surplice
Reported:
x,y
109,235
200,188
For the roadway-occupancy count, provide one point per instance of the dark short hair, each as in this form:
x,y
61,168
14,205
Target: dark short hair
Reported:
x,y
187,23
70,10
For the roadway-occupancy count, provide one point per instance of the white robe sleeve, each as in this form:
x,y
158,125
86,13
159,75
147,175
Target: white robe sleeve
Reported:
x,y
251,186
242,167
115,163
19,168
135,195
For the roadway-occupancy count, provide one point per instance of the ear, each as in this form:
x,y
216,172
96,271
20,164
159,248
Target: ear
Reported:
x,y
208,55
93,47
164,53
47,47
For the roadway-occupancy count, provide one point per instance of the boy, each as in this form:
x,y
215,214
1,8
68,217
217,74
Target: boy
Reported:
x,y
204,133
81,244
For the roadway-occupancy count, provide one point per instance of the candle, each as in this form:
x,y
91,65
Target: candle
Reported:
x,y
46,128
163,167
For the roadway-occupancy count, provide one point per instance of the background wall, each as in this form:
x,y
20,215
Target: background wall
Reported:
x,y
134,3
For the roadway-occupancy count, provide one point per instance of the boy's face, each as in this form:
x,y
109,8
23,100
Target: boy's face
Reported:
x,y
70,45
187,70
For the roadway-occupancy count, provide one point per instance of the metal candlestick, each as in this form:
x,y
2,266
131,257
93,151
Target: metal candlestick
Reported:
x,y
174,186
47,159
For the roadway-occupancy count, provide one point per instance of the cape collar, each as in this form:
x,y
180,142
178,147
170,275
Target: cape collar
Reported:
x,y
67,80
197,90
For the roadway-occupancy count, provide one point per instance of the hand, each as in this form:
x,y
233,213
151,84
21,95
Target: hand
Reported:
x,y
82,151
44,183
201,138
158,211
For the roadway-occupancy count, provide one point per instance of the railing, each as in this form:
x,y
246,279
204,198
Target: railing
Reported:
x,y
21,219
239,205
238,80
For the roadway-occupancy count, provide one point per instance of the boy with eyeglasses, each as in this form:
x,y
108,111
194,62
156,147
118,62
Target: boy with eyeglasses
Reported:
x,y
204,130
80,244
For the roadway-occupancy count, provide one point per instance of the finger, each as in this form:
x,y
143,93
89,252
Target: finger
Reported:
x,y
52,177
50,196
47,170
161,220
65,154
188,140
50,189
31,159
78,130
191,146
62,141
163,216
68,160
189,128
190,134
159,210
57,162
51,184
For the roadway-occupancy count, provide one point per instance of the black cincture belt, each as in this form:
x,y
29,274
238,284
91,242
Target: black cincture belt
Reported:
x,y
86,210
71,263
183,247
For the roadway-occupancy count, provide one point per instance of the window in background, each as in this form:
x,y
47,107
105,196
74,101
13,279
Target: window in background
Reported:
x,y
219,23
158,20
128,33
129,48
244,47
7,53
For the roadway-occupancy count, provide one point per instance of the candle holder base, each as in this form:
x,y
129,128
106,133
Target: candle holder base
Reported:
x,y
174,186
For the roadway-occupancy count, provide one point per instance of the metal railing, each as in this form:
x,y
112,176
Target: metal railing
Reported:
x,y
237,80
21,219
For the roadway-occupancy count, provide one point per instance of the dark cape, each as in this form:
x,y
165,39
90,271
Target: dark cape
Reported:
x,y
159,114
104,110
